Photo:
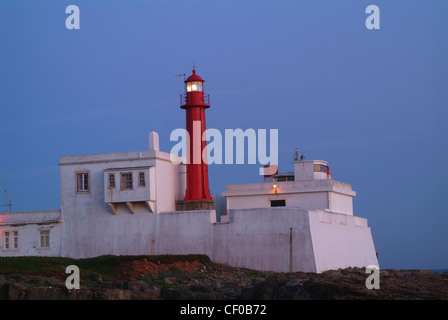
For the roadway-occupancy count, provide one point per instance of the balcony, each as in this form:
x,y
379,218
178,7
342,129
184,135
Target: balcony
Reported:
x,y
195,99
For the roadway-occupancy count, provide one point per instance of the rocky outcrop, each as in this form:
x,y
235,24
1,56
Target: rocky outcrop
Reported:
x,y
142,279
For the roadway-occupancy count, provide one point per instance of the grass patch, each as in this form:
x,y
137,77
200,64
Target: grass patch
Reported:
x,y
145,278
107,266
161,283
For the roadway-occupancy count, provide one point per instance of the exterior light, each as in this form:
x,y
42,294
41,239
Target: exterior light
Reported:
x,y
194,86
274,186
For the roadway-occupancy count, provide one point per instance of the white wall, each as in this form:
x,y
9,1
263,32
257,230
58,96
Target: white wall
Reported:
x,y
324,194
260,239
315,200
167,183
341,241
340,203
276,239
268,239
304,170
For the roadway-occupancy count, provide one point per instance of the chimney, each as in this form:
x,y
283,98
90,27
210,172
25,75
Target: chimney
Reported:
x,y
153,141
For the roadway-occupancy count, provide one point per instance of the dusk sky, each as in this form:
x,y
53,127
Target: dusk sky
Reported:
x,y
373,103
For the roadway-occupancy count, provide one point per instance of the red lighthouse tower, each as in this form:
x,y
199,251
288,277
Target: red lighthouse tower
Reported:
x,y
194,101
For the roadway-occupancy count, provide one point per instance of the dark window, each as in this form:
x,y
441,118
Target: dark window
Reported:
x,y
126,181
141,179
112,181
290,178
278,203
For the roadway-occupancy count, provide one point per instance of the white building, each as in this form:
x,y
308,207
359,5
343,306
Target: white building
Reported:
x,y
36,233
310,186
125,204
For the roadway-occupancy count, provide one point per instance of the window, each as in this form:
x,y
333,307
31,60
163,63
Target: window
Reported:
x,y
15,239
11,240
111,181
194,86
82,182
141,179
126,181
44,238
278,203
284,178
6,243
320,168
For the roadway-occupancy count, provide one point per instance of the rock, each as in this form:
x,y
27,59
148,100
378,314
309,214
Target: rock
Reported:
x,y
149,293
43,293
40,280
17,291
183,279
171,280
95,276
170,294
115,294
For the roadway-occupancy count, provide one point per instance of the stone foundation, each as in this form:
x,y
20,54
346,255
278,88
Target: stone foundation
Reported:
x,y
195,205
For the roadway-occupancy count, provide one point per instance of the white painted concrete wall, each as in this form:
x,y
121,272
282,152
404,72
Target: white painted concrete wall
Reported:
x,y
28,224
277,239
143,233
304,170
166,183
267,239
340,203
323,194
286,239
341,241
315,200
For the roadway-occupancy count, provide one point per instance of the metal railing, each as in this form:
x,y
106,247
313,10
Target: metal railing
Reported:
x,y
184,99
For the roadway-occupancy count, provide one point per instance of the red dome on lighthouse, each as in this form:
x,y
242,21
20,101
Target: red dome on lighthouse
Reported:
x,y
194,77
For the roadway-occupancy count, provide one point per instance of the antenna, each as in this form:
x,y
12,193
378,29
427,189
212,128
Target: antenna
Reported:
x,y
6,205
180,75
296,155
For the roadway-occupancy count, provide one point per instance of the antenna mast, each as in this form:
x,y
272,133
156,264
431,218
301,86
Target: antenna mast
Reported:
x,y
6,205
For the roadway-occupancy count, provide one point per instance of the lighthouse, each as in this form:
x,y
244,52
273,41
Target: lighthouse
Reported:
x,y
195,101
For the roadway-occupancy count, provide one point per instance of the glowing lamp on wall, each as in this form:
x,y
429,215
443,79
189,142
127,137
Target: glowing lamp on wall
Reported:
x,y
275,187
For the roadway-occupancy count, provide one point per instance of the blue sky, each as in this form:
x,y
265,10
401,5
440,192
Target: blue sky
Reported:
x,y
373,103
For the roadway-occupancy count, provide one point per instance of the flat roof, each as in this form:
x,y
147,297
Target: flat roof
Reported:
x,y
128,168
